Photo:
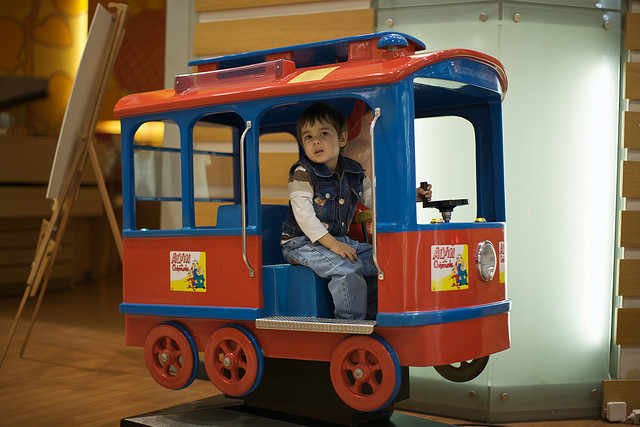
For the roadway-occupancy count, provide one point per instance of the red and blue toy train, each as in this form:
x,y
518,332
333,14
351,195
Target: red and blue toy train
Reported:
x,y
226,291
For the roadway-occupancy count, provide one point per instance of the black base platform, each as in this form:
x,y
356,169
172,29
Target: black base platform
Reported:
x,y
226,412
291,393
303,388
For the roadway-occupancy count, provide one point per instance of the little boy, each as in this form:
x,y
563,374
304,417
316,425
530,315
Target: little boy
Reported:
x,y
324,188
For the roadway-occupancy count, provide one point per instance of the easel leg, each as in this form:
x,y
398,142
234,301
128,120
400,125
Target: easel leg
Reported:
x,y
15,323
36,309
108,207
66,213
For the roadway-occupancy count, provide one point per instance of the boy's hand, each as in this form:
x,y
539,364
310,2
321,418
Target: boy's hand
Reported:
x,y
422,192
337,247
344,250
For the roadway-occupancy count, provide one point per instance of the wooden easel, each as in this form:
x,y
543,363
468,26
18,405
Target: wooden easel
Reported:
x,y
52,230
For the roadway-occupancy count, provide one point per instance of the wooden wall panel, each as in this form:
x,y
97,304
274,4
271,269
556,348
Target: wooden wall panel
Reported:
x,y
630,229
627,331
632,80
24,205
632,129
621,391
244,35
212,5
632,31
221,134
18,151
18,239
274,168
628,319
25,202
631,179
629,278
38,154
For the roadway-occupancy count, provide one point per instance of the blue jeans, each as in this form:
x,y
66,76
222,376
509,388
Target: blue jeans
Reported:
x,y
353,285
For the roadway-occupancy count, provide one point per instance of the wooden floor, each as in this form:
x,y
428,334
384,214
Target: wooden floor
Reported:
x,y
77,371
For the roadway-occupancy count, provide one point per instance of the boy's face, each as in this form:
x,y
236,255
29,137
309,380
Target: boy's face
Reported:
x,y
321,143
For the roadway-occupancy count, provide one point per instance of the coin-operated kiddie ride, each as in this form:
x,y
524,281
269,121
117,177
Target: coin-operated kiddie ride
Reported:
x,y
220,293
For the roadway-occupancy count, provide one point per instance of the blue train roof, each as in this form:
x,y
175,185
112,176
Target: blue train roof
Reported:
x,y
304,55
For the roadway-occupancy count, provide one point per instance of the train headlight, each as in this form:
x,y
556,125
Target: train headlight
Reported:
x,y
486,260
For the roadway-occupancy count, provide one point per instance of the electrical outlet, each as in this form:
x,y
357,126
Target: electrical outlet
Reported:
x,y
616,411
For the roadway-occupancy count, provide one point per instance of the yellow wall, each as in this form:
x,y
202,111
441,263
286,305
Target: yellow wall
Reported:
x,y
42,39
46,39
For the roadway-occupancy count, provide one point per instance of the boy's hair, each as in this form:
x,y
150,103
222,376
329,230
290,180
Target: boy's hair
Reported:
x,y
324,113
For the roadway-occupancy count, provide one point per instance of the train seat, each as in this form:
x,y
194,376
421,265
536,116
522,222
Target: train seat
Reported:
x,y
295,290
289,290
292,290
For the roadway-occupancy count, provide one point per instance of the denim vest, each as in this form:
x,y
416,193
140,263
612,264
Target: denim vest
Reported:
x,y
334,195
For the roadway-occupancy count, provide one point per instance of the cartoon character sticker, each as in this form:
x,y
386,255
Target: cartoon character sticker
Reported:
x,y
188,271
449,267
502,261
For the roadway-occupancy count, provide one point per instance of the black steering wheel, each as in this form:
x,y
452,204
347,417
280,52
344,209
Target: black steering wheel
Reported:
x,y
444,206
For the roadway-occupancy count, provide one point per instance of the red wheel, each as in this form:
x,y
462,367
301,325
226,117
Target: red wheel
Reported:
x,y
233,360
365,372
171,356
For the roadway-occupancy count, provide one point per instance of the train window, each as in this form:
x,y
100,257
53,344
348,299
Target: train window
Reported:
x,y
213,168
445,157
157,173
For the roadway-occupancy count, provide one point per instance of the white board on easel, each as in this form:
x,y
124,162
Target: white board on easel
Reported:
x,y
82,100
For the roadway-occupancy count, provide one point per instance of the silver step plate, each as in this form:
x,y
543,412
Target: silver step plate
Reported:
x,y
316,324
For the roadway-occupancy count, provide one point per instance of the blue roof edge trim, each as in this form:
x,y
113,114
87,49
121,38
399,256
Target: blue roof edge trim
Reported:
x,y
189,311
425,318
244,58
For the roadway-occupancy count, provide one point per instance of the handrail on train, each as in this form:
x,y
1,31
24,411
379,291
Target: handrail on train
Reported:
x,y
243,202
374,224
